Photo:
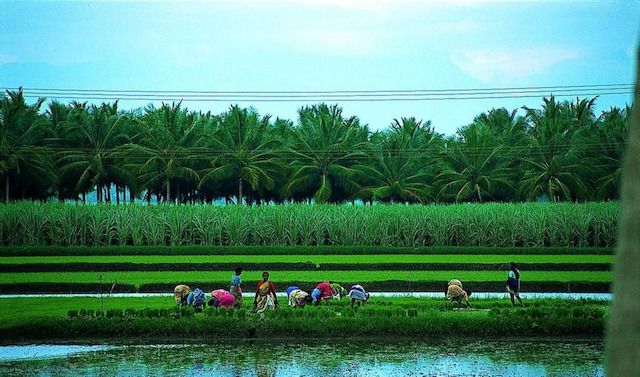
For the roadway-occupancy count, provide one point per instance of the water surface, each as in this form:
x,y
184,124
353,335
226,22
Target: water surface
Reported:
x,y
318,359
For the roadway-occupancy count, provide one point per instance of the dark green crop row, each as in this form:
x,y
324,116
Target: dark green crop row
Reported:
x,y
377,286
572,319
15,251
106,267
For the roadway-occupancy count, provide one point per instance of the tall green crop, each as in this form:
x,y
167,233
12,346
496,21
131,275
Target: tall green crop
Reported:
x,y
506,225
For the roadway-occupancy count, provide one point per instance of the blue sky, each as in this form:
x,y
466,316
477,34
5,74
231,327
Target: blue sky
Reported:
x,y
322,45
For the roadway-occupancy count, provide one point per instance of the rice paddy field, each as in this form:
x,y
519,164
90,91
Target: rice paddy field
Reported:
x,y
55,247
64,248
115,318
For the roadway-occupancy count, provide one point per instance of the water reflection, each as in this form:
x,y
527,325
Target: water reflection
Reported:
x,y
438,358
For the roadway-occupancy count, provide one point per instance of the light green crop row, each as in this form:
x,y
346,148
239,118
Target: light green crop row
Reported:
x,y
315,259
251,277
499,225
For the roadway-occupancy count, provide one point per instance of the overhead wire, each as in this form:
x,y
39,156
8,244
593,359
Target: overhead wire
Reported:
x,y
383,95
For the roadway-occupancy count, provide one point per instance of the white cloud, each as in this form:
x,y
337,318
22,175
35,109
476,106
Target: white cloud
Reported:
x,y
4,59
505,66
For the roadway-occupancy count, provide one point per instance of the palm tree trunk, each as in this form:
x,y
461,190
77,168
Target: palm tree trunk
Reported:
x,y
177,193
117,195
240,191
6,189
98,193
623,330
168,199
84,198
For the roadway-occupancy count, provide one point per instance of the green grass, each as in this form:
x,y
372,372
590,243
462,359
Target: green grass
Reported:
x,y
76,318
500,225
317,259
148,277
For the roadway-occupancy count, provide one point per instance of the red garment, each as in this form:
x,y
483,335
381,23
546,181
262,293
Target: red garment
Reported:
x,y
325,289
272,287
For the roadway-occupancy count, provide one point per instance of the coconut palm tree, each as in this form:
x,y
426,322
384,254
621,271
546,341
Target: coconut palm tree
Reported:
x,y
613,130
473,166
244,152
22,131
96,135
395,174
166,150
326,146
556,165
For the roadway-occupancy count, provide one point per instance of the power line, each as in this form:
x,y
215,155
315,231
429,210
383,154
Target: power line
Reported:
x,y
331,96
324,99
389,91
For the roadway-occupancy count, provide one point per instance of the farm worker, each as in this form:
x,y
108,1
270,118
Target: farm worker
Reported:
x,y
297,297
358,294
220,297
235,289
218,293
321,291
196,298
227,301
265,295
180,293
456,293
337,291
513,283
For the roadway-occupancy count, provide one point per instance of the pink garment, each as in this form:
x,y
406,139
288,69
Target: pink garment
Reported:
x,y
325,289
227,300
218,293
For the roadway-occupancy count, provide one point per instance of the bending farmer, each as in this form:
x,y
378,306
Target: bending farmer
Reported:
x,y
455,293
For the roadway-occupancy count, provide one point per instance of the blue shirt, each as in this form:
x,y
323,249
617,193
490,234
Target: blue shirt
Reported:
x,y
235,282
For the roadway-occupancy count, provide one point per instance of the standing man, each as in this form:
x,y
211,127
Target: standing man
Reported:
x,y
235,289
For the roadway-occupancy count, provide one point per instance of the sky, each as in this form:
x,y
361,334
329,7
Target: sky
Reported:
x,y
323,45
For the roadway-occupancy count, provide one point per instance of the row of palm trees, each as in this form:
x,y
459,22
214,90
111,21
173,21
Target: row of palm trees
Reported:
x,y
561,151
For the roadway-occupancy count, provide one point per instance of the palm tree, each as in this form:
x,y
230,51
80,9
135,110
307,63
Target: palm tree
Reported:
x,y
473,167
396,174
22,131
326,146
97,133
166,149
244,152
401,162
556,167
613,129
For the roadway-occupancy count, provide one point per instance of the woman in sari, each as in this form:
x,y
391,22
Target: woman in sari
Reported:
x,y
322,291
297,297
455,293
265,295
338,291
180,293
358,295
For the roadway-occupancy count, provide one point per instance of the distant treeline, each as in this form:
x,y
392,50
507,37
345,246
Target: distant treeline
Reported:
x,y
562,151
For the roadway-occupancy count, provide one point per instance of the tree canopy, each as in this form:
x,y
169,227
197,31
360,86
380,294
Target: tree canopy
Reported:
x,y
561,151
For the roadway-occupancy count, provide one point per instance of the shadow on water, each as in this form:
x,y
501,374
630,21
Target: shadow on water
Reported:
x,y
316,358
